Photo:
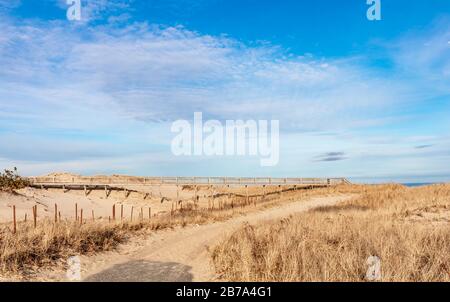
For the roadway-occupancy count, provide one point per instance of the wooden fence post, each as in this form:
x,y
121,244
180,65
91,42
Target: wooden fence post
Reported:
x,y
132,209
81,216
93,217
211,197
121,212
56,213
14,219
76,212
149,213
114,212
25,217
195,193
35,215
264,192
246,193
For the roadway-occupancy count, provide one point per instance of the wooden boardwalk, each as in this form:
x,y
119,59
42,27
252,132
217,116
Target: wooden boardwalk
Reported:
x,y
100,182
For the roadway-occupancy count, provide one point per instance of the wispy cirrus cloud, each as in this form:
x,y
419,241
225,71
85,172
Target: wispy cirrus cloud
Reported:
x,y
148,71
424,56
89,89
9,4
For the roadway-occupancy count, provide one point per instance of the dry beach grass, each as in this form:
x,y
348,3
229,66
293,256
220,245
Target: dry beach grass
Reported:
x,y
407,228
51,243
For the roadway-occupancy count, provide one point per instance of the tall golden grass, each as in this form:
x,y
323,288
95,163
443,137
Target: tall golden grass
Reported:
x,y
31,248
50,243
407,228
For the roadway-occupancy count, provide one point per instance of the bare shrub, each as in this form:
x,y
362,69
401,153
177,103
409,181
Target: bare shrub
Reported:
x,y
10,180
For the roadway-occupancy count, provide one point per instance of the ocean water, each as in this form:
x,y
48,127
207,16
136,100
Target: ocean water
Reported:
x,y
417,184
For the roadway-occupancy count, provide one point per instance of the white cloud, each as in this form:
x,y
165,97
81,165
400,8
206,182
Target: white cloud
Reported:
x,y
104,87
424,56
156,73
6,5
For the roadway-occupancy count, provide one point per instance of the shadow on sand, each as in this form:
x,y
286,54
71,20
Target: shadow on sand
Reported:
x,y
144,271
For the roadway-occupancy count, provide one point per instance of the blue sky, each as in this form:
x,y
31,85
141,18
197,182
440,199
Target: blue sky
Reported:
x,y
369,100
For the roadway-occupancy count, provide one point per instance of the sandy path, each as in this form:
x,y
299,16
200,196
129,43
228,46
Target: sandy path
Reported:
x,y
181,254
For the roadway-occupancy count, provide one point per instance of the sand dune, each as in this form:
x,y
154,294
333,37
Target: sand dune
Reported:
x,y
158,198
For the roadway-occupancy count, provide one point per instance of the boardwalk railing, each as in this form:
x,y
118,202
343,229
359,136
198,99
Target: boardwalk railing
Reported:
x,y
122,180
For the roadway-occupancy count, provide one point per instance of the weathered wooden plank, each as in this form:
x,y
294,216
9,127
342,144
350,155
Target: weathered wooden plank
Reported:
x,y
77,183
